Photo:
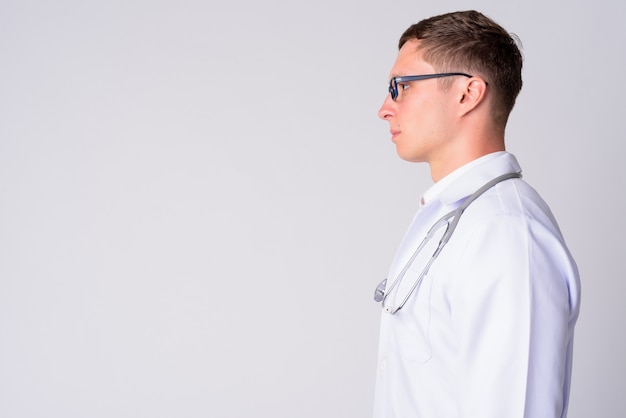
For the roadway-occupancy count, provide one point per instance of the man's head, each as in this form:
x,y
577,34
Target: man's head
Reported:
x,y
472,43
452,88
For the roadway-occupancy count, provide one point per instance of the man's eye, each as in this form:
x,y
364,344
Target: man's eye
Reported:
x,y
403,86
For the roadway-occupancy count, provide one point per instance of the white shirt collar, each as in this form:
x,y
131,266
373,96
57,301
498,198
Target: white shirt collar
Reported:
x,y
459,184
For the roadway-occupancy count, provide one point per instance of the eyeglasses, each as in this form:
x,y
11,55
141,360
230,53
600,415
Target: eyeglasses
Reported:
x,y
393,83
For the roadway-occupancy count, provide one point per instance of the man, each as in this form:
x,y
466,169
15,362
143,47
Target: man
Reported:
x,y
485,328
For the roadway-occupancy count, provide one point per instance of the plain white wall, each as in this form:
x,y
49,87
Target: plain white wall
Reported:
x,y
197,199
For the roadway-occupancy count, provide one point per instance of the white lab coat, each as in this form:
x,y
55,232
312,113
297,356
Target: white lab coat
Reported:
x,y
489,332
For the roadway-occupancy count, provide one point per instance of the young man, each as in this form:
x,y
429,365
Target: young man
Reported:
x,y
483,329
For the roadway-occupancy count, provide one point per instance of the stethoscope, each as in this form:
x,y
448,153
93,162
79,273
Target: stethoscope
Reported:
x,y
450,219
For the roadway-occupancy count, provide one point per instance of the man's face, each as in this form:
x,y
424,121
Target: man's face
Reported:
x,y
421,118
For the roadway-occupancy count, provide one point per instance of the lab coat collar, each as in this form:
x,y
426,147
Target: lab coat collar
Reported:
x,y
467,179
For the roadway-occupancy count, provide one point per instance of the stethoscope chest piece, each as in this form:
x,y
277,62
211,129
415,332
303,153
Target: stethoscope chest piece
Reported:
x,y
379,293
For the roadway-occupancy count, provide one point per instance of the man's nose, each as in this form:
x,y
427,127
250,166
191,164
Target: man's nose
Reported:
x,y
387,109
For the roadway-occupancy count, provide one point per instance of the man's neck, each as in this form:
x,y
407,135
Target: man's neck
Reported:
x,y
443,166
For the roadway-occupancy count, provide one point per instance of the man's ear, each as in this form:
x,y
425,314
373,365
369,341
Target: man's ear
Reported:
x,y
473,93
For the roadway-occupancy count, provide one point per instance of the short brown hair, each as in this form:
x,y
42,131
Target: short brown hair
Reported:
x,y
471,42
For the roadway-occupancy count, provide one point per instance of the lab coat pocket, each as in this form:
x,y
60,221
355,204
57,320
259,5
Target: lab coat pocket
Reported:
x,y
413,336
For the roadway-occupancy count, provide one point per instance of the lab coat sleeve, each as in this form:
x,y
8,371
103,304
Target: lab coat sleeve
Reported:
x,y
511,315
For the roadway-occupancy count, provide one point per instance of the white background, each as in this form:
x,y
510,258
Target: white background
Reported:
x,y
197,199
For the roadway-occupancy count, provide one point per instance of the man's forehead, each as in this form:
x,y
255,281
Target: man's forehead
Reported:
x,y
409,60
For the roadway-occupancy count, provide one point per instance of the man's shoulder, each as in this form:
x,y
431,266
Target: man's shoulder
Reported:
x,y
512,204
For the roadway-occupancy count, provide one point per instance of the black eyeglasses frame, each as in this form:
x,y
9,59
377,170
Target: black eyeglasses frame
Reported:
x,y
393,83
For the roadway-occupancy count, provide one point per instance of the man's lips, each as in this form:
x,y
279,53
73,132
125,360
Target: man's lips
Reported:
x,y
394,133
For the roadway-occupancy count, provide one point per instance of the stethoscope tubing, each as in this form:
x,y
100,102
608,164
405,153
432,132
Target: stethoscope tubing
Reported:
x,y
381,293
